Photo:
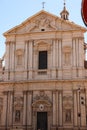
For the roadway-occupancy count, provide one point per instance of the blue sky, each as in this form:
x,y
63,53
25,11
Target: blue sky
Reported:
x,y
13,12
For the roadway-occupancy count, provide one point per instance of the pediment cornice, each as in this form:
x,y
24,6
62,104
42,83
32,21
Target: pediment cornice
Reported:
x,y
43,21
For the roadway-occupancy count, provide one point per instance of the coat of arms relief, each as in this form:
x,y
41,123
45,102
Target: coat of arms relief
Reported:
x,y
42,23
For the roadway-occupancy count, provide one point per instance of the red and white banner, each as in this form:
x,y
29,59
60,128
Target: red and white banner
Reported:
x,y
84,11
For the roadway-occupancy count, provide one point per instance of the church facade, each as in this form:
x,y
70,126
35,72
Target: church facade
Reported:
x,y
43,84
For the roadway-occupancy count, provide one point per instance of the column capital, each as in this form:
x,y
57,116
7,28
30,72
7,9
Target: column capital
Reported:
x,y
5,92
60,91
27,91
54,91
26,41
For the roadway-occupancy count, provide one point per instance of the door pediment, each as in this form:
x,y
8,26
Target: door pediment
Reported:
x,y
41,102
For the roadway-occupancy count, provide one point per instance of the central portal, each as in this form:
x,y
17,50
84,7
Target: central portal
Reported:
x,y
41,120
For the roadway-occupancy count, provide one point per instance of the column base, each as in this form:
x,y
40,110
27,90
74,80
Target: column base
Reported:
x,y
30,128
16,129
69,129
74,128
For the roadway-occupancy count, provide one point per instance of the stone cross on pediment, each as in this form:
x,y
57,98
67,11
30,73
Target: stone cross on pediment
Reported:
x,y
43,3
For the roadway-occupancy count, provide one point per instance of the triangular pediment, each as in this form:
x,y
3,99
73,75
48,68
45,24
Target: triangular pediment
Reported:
x,y
42,22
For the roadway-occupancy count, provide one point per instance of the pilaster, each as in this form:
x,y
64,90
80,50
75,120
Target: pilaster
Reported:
x,y
54,108
5,108
10,108
25,108
30,59
75,114
54,59
59,59
29,108
60,108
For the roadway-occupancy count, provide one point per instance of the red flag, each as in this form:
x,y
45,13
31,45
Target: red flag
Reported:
x,y
84,11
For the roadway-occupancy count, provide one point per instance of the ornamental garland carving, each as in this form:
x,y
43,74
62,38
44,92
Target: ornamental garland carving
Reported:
x,y
67,102
18,102
41,102
41,96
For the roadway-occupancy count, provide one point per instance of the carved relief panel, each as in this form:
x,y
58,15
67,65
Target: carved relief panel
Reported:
x,y
42,23
41,102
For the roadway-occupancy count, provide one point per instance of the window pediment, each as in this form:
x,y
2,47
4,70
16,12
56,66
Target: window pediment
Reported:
x,y
41,45
67,49
19,52
42,42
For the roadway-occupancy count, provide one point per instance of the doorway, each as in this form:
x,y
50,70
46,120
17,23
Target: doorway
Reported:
x,y
42,121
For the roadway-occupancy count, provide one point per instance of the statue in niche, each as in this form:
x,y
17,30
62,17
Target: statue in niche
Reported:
x,y
68,116
17,116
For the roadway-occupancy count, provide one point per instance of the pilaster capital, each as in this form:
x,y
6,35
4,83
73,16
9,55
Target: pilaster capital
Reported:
x,y
60,91
30,92
54,92
5,92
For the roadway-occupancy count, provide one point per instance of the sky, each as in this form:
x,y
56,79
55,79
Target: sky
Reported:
x,y
14,12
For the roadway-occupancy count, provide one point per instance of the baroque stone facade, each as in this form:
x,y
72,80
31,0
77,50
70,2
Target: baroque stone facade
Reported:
x,y
43,84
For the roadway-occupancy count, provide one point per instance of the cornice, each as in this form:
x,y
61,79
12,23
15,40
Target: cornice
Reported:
x,y
43,81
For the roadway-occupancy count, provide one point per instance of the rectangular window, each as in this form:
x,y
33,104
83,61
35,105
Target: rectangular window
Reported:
x,y
42,60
